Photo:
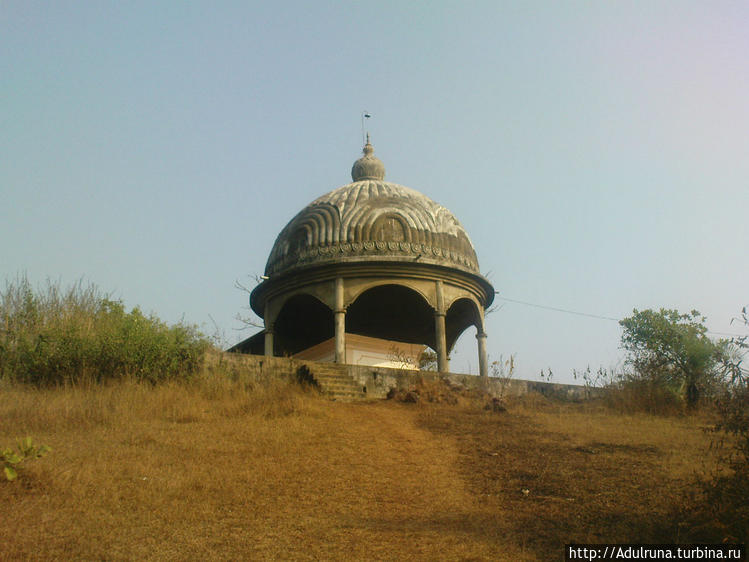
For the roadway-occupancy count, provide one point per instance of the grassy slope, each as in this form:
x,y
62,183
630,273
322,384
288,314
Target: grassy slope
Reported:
x,y
218,471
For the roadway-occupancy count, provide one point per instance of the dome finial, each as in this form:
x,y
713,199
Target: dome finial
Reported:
x,y
368,167
368,149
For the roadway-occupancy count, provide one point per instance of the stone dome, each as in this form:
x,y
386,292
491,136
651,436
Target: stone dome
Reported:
x,y
371,220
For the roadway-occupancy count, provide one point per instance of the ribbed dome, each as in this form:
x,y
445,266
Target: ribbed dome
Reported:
x,y
371,220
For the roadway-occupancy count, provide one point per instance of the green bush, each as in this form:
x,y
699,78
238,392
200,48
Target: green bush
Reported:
x,y
55,336
12,460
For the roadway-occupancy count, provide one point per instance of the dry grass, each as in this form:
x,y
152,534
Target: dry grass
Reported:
x,y
226,470
553,474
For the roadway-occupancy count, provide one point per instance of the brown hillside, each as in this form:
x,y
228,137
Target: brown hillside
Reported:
x,y
217,470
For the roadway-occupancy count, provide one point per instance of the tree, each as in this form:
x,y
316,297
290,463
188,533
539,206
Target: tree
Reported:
x,y
728,488
672,349
737,349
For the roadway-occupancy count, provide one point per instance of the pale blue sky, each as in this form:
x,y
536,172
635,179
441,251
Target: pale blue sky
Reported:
x,y
596,152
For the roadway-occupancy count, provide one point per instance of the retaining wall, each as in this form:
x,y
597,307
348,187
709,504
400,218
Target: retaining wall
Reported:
x,y
376,382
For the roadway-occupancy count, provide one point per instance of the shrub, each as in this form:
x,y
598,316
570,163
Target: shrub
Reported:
x,y
628,392
504,371
12,460
55,336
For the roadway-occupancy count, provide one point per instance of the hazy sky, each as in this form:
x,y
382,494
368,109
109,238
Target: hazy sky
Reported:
x,y
596,152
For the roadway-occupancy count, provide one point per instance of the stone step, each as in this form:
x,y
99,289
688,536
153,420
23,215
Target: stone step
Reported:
x,y
339,384
331,372
332,376
346,399
338,380
346,392
339,389
336,383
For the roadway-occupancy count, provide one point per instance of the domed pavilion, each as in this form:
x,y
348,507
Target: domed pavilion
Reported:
x,y
370,267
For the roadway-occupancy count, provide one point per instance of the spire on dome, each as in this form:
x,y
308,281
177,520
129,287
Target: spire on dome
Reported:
x,y
368,167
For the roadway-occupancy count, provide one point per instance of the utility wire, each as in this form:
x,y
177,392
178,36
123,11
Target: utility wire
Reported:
x,y
598,316
559,309
727,334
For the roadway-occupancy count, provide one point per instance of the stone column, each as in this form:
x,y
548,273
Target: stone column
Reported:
x,y
269,341
340,323
268,331
483,361
439,331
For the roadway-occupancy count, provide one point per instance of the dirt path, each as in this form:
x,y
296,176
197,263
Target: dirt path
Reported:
x,y
374,485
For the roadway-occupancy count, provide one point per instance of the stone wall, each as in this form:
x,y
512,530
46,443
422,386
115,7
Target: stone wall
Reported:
x,y
253,367
376,382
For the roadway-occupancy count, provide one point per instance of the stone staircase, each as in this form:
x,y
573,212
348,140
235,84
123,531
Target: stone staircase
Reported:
x,y
335,382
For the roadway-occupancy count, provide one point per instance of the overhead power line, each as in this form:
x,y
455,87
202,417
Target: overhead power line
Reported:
x,y
554,308
727,334
597,316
